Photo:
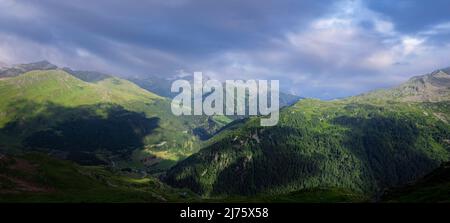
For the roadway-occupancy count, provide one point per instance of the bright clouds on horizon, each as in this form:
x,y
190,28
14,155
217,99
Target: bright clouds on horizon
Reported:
x,y
324,50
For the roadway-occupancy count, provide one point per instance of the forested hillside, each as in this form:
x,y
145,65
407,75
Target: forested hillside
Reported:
x,y
363,144
433,188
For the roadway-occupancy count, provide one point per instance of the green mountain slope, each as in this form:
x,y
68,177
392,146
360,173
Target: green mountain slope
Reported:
x,y
433,188
162,86
361,144
111,119
39,178
88,76
59,87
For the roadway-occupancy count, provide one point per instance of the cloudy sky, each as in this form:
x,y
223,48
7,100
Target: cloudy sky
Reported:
x,y
323,49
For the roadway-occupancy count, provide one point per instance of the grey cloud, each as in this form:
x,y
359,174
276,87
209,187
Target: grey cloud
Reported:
x,y
288,40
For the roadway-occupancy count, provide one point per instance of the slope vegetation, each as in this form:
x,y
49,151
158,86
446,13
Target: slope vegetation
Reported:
x,y
39,178
363,144
110,120
433,188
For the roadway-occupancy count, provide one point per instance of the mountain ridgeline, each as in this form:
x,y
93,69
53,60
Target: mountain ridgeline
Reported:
x,y
433,87
162,86
96,118
362,144
16,70
124,135
93,118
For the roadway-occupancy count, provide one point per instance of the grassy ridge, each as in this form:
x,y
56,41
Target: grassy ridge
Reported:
x,y
59,87
59,108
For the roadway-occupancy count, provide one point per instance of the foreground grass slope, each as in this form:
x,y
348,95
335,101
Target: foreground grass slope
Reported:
x,y
39,178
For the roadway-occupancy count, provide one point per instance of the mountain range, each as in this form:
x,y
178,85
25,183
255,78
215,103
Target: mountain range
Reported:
x,y
364,144
86,117
122,137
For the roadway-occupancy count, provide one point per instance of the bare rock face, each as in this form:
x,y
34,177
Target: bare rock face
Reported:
x,y
432,87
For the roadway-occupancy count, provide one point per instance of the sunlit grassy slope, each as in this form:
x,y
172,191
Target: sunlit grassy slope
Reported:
x,y
61,88
64,89
54,110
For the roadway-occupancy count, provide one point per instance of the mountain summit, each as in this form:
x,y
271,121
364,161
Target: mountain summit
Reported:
x,y
432,87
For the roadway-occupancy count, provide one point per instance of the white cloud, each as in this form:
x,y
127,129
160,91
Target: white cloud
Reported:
x,y
411,45
340,40
440,28
383,55
344,53
83,52
384,26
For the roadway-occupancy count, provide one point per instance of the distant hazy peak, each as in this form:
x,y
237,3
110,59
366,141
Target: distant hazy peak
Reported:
x,y
2,65
88,76
15,70
39,65
23,68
